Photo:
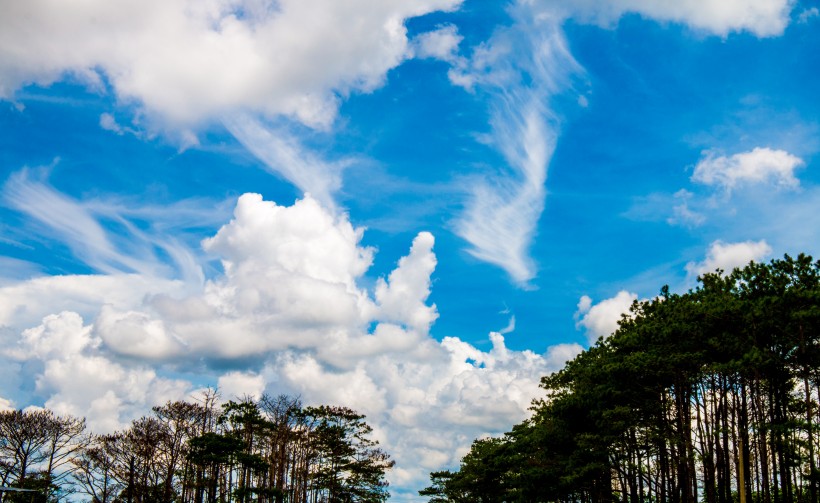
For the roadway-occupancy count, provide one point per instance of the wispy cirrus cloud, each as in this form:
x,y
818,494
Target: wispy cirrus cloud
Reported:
x,y
282,153
148,250
520,69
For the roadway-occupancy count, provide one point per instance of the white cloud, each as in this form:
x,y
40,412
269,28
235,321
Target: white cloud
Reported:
x,y
79,380
187,61
58,335
428,405
26,303
237,385
808,14
601,319
438,44
521,68
761,165
402,297
109,123
557,356
763,18
80,225
289,314
283,154
728,256
682,212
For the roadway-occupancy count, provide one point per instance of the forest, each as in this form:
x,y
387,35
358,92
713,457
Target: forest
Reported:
x,y
268,450
705,396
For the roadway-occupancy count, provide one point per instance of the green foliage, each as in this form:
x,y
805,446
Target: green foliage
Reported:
x,y
707,395
271,450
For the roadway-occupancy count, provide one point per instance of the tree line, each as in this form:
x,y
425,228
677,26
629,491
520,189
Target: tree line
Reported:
x,y
269,450
707,396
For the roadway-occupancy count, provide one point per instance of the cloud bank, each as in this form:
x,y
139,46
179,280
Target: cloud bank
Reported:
x,y
287,314
187,61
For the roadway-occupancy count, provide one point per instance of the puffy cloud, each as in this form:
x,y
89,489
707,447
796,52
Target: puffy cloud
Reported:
x,y
601,319
289,314
78,379
557,356
109,394
763,18
58,335
6,405
402,297
237,385
728,256
428,405
135,333
290,281
25,303
520,69
187,61
757,166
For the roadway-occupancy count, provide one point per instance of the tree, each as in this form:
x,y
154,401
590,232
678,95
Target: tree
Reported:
x,y
95,467
711,395
349,467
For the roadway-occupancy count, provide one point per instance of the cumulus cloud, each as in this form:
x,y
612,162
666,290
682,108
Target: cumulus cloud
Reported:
x,y
287,314
728,256
24,303
6,405
187,61
401,298
601,319
520,69
78,379
760,165
763,18
238,385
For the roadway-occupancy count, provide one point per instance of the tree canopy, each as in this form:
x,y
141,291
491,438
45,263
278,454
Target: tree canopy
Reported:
x,y
268,450
710,395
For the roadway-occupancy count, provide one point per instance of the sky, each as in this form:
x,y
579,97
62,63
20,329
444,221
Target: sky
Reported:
x,y
413,208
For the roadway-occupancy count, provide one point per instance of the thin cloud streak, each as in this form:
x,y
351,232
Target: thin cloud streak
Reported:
x,y
520,69
283,154
79,225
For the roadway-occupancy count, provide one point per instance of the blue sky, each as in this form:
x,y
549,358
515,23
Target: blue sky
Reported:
x,y
522,169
